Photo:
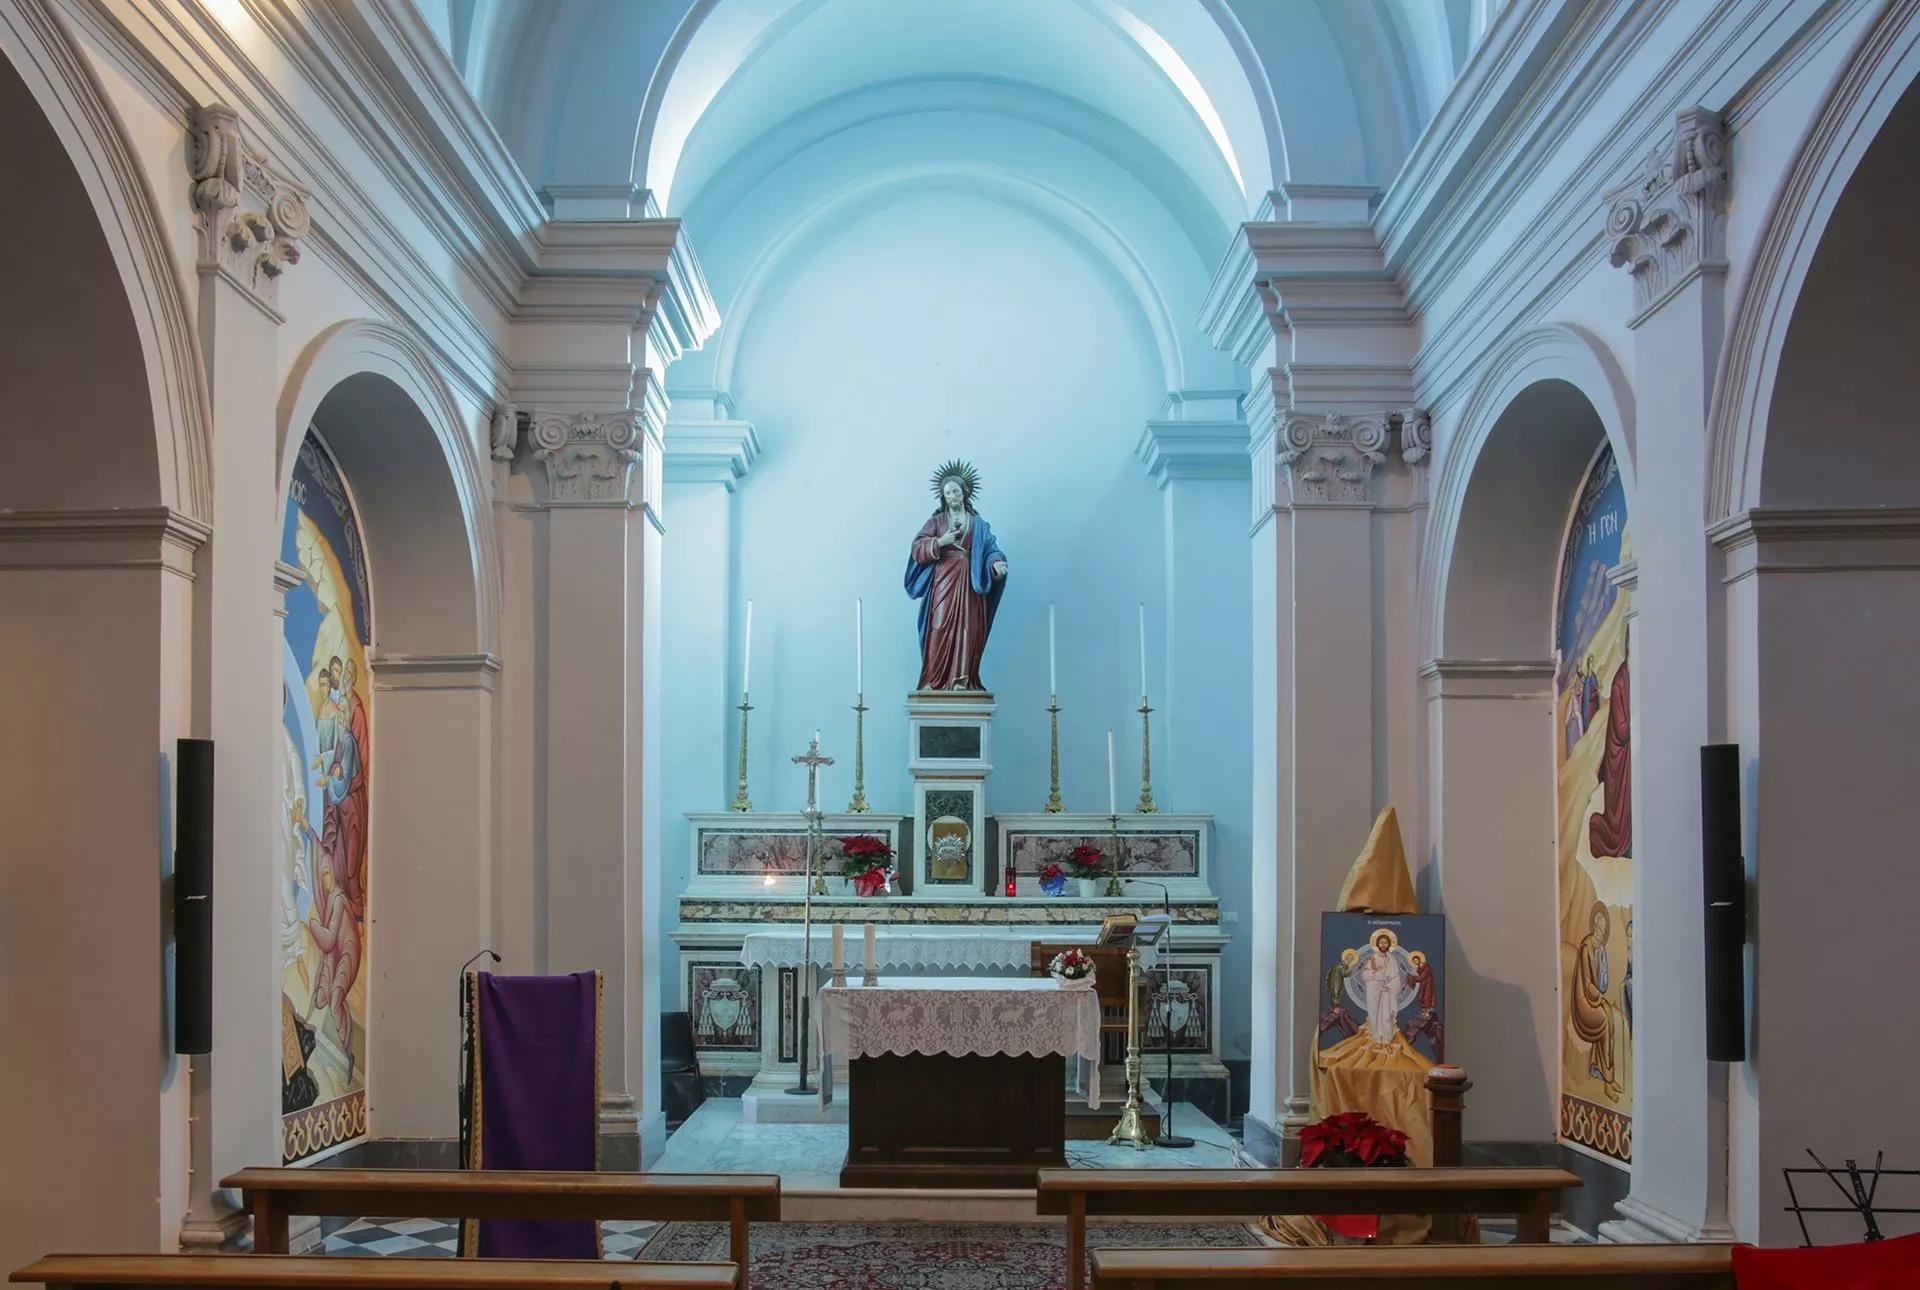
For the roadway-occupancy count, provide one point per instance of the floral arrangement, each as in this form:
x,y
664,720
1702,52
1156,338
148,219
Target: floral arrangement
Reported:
x,y
868,861
1351,1138
1071,964
1053,879
1086,860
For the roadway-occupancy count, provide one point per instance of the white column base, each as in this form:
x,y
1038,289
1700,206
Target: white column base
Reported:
x,y
1641,1224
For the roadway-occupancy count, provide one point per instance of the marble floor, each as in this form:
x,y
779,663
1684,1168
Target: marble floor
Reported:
x,y
715,1139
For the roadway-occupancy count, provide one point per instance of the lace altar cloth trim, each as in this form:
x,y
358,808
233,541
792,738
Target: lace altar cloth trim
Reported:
x,y
895,952
965,1016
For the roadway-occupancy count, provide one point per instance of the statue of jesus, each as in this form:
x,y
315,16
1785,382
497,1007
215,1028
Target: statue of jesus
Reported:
x,y
956,571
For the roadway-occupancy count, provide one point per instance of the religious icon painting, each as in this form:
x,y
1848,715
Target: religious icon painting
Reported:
x,y
325,775
1593,765
1382,991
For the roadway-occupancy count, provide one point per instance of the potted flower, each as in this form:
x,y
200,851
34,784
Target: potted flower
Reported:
x,y
1072,965
1085,861
1053,879
1352,1139
868,862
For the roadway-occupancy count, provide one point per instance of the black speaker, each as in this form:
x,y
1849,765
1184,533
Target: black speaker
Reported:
x,y
193,897
1724,883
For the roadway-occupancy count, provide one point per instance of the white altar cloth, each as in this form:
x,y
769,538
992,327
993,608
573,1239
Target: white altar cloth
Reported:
x,y
897,951
962,1016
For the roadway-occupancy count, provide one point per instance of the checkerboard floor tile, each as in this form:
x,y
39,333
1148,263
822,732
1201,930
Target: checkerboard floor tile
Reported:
x,y
434,1238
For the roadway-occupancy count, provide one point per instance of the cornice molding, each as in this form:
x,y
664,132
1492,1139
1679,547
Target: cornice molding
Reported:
x,y
435,672
125,538
709,452
1290,275
1180,450
1487,678
1815,524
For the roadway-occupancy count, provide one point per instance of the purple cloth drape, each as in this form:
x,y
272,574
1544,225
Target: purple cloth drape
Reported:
x,y
537,1098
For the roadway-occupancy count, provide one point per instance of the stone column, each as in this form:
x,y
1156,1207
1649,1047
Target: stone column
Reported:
x,y
1668,228
249,221
1311,309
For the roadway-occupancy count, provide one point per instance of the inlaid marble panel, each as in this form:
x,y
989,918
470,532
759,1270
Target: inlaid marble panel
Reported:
x,y
752,852
997,912
1161,855
724,1001
1190,994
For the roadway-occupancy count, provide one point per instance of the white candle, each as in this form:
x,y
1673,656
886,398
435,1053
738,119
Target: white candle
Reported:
x,y
872,964
746,660
859,648
1143,649
1053,679
1112,808
839,949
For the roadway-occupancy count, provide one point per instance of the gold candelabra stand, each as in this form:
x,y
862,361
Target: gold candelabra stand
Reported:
x,y
740,802
1131,1127
858,806
1114,889
1054,804
1146,806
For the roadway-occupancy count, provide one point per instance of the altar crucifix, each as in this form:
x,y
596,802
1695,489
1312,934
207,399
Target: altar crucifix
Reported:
x,y
813,761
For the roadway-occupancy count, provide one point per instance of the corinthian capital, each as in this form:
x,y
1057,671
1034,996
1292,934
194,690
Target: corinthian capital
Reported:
x,y
1327,457
1670,222
250,218
589,456
503,431
1416,435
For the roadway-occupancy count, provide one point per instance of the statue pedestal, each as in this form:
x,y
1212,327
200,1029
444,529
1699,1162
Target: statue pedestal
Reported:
x,y
950,755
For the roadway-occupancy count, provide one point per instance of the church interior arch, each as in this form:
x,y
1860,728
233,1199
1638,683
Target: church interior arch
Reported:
x,y
387,424
1820,591
99,525
1512,480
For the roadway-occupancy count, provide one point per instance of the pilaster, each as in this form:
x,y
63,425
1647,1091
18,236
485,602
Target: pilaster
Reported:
x,y
611,304
1336,452
249,219
1666,229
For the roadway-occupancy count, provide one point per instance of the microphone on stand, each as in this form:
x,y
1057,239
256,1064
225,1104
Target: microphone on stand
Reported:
x,y
466,1042
1167,1138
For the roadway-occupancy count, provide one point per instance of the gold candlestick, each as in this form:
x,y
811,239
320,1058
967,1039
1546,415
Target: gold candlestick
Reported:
x,y
1131,1128
1146,806
1114,889
858,806
1054,804
740,802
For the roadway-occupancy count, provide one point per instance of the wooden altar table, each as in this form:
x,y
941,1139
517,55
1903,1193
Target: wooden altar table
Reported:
x,y
955,1081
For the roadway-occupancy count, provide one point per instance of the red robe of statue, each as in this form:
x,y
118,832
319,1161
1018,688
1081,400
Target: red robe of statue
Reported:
x,y
1610,831
957,614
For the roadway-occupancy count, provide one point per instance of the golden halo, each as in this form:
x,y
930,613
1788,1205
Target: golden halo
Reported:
x,y
1600,908
1417,957
1349,957
1393,939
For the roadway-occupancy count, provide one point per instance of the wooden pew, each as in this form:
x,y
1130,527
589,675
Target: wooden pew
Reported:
x,y
1422,1267
301,1272
1530,1194
735,1199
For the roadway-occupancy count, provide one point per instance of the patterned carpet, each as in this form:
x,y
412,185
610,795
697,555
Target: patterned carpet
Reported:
x,y
925,1256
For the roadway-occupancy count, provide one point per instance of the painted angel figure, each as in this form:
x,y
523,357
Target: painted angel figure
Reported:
x,y
956,571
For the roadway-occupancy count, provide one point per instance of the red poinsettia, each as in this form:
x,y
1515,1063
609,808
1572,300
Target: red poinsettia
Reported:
x,y
868,861
1352,1138
1086,859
